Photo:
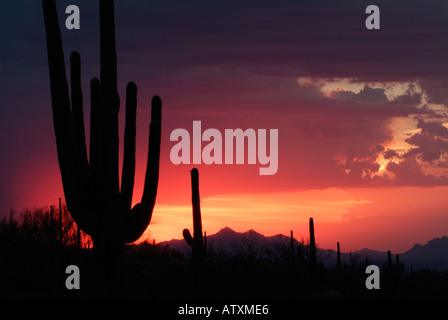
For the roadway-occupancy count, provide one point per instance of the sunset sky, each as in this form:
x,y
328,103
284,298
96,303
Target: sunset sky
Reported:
x,y
362,115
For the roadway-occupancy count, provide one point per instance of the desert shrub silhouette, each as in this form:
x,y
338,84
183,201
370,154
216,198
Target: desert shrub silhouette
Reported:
x,y
32,260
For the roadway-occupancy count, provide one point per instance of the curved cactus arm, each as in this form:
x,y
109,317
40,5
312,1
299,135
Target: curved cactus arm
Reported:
x,y
187,237
152,165
137,219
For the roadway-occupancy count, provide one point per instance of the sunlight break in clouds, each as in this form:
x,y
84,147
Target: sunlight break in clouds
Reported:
x,y
418,137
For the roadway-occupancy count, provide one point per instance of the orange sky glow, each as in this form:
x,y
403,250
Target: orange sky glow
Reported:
x,y
391,218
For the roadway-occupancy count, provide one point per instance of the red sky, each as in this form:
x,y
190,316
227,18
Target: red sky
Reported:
x,y
361,115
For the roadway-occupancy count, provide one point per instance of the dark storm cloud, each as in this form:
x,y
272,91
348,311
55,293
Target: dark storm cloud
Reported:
x,y
288,38
409,172
432,128
431,143
325,38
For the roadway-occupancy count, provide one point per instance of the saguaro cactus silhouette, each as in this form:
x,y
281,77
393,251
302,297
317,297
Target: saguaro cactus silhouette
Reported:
x,y
313,259
91,186
196,242
291,246
389,258
338,257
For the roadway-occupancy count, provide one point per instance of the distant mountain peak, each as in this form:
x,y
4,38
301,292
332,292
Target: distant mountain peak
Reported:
x,y
252,232
434,250
225,230
437,241
443,241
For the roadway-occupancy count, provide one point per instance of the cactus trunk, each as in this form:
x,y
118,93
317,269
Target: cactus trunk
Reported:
x,y
91,186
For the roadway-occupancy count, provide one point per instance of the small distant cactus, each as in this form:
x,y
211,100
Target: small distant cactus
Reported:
x,y
205,244
196,242
389,258
313,259
61,237
338,259
292,247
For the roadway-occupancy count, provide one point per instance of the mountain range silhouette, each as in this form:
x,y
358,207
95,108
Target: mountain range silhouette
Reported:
x,y
433,255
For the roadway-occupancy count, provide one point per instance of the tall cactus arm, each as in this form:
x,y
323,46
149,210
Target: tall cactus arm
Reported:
x,y
75,177
96,131
152,167
128,171
59,94
139,217
77,112
108,53
110,100
84,202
